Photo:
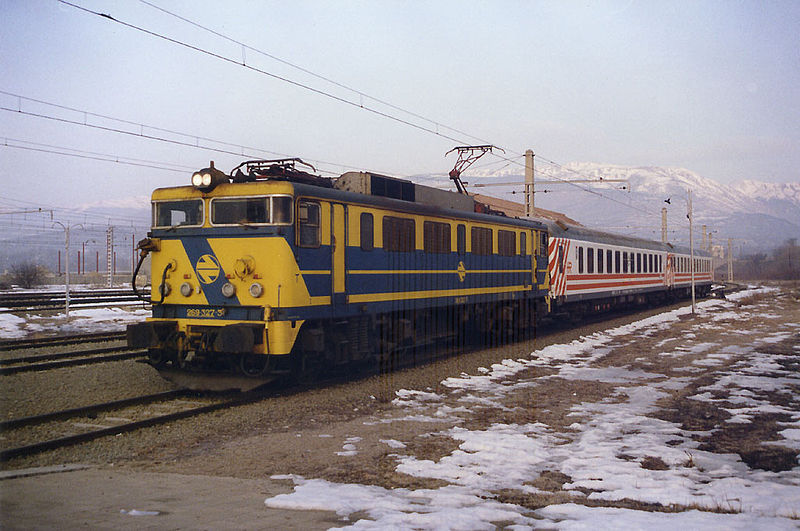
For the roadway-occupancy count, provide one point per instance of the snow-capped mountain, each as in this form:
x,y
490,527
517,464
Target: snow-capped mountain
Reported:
x,y
759,216
778,199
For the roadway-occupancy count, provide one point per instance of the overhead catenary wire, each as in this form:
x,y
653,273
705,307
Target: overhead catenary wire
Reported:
x,y
356,91
90,155
259,70
320,92
241,151
383,102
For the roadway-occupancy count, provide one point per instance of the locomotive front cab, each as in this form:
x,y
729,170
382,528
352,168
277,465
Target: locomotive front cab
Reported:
x,y
222,266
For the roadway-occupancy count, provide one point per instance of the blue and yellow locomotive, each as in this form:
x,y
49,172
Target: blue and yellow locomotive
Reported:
x,y
272,270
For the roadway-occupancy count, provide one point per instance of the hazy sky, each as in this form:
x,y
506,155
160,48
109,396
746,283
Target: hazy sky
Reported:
x,y
706,85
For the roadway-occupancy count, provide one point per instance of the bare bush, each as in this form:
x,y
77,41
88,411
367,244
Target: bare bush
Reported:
x,y
27,274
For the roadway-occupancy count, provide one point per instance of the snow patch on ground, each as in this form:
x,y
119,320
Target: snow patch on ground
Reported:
x,y
605,452
80,321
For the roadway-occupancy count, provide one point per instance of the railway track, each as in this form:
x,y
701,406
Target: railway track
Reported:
x,y
10,302
56,360
18,344
32,435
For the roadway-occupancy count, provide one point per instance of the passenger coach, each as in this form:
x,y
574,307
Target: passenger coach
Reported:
x,y
594,271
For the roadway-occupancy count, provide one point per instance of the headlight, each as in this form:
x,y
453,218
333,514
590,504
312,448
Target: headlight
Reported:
x,y
206,179
186,289
256,289
164,289
229,290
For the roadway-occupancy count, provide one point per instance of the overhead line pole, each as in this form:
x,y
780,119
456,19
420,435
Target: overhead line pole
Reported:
x,y
691,248
530,207
66,276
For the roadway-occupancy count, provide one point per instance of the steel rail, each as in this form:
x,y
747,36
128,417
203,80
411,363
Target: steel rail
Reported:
x,y
17,344
75,361
70,440
88,410
62,355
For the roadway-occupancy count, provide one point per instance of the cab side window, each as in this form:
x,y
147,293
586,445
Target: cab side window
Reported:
x,y
308,224
367,232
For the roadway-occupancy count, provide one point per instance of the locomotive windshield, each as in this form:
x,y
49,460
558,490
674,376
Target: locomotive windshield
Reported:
x,y
251,210
178,213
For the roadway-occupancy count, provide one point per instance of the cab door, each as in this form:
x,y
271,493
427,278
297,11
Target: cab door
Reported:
x,y
338,245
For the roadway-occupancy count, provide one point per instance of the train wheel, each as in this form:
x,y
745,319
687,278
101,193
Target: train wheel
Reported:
x,y
253,364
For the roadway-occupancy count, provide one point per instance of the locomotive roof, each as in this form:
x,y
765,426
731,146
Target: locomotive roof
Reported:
x,y
401,206
562,230
263,187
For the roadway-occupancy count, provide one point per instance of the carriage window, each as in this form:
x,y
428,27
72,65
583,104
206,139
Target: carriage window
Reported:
x,y
308,228
624,262
461,239
650,263
543,244
506,243
523,244
616,261
399,234
436,237
580,259
638,262
600,261
178,213
481,241
590,260
367,232
609,260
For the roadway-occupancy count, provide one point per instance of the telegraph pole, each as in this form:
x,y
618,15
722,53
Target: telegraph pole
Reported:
x,y
664,225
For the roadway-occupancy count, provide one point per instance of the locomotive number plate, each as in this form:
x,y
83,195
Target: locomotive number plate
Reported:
x,y
205,313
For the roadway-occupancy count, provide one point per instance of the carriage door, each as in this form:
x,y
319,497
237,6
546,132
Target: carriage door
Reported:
x,y
338,244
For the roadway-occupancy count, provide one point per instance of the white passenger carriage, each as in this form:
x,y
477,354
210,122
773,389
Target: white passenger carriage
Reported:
x,y
597,270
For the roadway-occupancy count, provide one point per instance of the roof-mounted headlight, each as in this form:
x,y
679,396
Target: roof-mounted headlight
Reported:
x,y
208,178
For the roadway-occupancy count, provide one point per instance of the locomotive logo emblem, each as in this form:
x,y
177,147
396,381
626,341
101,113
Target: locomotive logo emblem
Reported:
x,y
207,268
462,271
